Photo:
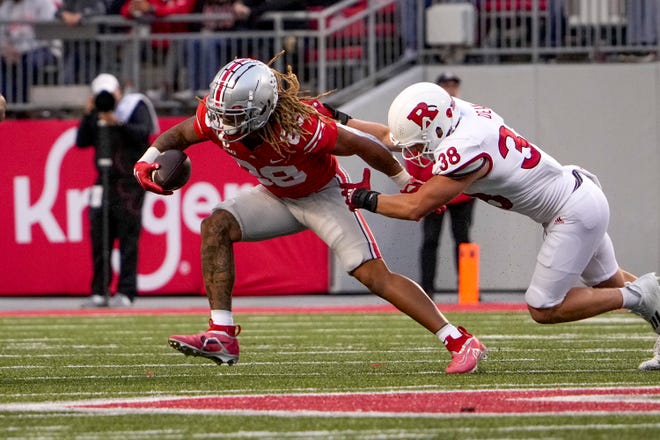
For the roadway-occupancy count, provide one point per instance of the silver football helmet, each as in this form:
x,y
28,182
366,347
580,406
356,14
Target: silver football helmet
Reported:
x,y
242,97
419,118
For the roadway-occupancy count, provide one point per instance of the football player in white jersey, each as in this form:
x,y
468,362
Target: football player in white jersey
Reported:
x,y
475,152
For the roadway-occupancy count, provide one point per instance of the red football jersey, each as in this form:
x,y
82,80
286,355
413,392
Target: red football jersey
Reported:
x,y
308,168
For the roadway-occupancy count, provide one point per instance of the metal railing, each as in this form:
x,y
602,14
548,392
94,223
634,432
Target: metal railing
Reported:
x,y
558,30
345,47
342,47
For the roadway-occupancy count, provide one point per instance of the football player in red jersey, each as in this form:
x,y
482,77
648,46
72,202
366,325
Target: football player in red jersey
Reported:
x,y
254,113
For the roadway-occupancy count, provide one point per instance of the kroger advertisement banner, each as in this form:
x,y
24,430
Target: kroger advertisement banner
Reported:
x,y
45,182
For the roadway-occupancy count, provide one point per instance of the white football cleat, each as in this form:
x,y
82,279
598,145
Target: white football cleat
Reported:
x,y
648,290
654,362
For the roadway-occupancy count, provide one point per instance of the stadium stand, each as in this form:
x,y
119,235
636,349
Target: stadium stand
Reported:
x,y
350,45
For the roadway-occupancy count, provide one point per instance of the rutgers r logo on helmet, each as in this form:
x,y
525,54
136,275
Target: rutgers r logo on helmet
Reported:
x,y
423,114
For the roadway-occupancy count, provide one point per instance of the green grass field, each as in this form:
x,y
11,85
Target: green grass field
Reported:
x,y
50,363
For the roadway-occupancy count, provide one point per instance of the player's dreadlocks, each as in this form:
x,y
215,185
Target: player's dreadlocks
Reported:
x,y
288,111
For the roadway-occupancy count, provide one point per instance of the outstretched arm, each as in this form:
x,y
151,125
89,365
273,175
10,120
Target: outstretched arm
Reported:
x,y
354,142
375,129
379,131
435,192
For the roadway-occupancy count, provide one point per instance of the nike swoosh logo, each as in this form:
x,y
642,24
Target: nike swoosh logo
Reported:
x,y
475,353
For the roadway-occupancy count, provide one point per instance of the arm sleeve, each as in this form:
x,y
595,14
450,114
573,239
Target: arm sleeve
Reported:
x,y
86,136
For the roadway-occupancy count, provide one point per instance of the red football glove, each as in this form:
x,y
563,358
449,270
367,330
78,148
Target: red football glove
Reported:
x,y
412,186
142,172
359,195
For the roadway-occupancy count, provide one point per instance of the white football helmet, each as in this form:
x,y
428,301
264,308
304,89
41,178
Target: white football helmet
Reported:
x,y
242,97
419,118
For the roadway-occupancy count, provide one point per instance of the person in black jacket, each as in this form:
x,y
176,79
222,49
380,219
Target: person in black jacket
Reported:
x,y
118,127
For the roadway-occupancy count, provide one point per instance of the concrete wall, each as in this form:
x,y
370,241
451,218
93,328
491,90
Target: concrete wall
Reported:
x,y
602,117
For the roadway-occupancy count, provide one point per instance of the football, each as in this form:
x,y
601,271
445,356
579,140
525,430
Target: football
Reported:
x,y
174,171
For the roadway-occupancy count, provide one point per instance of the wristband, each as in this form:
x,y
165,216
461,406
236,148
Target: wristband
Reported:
x,y
343,117
150,155
401,179
366,199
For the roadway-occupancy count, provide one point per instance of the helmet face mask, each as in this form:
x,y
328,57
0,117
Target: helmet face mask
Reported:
x,y
242,97
419,154
229,122
420,117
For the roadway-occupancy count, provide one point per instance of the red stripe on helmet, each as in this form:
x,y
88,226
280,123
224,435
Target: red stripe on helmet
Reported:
x,y
229,71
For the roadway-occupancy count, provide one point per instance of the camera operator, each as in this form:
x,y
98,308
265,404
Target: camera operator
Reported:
x,y
118,127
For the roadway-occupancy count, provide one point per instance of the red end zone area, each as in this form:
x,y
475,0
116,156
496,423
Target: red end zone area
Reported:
x,y
572,401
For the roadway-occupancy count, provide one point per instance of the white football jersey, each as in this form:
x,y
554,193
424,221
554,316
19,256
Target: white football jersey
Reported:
x,y
521,177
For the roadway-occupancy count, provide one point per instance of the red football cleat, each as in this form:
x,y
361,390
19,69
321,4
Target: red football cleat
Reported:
x,y
219,343
470,352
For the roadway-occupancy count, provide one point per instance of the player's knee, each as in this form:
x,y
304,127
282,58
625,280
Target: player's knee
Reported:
x,y
371,273
219,224
542,316
542,306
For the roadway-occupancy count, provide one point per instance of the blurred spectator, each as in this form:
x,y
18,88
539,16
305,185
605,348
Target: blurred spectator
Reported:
x,y
81,58
460,210
558,24
149,9
114,6
164,49
203,56
248,12
643,19
23,56
410,29
249,15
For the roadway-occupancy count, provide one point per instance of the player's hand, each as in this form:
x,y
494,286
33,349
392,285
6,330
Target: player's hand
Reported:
x,y
412,186
359,195
142,172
